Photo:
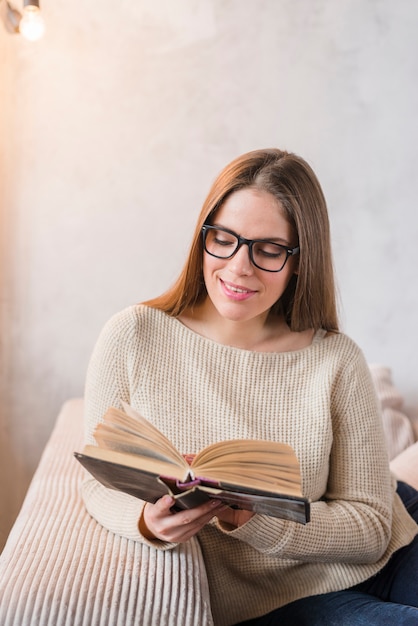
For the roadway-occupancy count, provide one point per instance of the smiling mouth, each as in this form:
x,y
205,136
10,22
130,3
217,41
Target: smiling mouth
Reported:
x,y
235,289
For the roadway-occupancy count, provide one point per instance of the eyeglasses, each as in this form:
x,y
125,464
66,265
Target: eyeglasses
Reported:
x,y
266,255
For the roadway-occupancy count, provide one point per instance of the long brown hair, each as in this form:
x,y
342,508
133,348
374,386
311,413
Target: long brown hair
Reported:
x,y
309,300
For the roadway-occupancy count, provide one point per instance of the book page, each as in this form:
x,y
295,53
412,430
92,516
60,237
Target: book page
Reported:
x,y
134,434
151,465
253,463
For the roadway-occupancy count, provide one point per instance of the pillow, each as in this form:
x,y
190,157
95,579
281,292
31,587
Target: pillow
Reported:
x,y
396,424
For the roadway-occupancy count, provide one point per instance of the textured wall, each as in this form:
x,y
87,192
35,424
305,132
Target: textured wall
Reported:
x,y
112,128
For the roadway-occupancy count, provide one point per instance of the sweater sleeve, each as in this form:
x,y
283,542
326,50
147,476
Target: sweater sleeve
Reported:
x,y
108,382
352,521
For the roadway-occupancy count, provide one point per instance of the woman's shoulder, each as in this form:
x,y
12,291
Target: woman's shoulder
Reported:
x,y
342,348
122,322
126,332
134,321
130,319
336,338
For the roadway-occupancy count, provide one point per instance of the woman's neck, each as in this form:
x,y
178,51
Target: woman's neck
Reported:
x,y
261,334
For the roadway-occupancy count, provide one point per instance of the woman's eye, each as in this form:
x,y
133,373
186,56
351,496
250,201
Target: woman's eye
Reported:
x,y
271,251
222,241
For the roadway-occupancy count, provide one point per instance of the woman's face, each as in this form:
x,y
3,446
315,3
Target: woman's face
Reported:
x,y
239,290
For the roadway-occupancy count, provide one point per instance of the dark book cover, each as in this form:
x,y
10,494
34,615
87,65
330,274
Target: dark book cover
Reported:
x,y
150,487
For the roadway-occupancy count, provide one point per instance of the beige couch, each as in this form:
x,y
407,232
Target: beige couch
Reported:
x,y
60,568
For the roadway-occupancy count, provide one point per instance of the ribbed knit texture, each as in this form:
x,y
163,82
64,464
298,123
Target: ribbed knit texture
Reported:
x,y
321,400
60,568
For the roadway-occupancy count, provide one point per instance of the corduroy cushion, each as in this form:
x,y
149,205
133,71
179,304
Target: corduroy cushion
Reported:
x,y
61,568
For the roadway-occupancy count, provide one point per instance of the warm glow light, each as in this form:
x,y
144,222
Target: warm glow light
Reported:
x,y
32,25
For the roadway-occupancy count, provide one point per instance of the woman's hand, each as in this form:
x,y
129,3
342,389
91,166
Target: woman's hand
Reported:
x,y
176,527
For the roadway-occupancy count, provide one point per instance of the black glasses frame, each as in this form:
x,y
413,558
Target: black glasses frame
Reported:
x,y
248,242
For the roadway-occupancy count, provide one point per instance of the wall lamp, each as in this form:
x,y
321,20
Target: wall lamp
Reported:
x,y
30,24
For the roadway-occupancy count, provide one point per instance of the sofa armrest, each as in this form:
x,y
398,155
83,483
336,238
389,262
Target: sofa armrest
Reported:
x,y
60,567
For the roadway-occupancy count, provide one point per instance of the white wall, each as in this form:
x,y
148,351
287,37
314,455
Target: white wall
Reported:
x,y
112,129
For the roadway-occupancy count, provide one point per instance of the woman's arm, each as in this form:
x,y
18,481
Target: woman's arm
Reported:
x,y
108,382
352,522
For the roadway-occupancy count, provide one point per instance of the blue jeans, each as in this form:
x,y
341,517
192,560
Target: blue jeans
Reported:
x,y
389,598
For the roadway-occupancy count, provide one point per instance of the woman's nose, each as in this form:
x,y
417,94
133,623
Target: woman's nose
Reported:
x,y
241,263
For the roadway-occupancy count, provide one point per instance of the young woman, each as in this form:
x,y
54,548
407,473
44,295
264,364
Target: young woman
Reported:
x,y
246,344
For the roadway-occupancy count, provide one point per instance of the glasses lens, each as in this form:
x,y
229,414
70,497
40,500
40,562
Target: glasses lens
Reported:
x,y
269,256
220,243
265,255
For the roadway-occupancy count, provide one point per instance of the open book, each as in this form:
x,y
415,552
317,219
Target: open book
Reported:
x,y
133,456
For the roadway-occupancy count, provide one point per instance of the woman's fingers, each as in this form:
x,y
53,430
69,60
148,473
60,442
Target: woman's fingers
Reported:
x,y
178,527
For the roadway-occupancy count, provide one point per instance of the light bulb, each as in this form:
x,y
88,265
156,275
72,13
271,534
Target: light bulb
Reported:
x,y
32,25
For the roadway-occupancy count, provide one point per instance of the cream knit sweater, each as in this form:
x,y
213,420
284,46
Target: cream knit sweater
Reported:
x,y
320,400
